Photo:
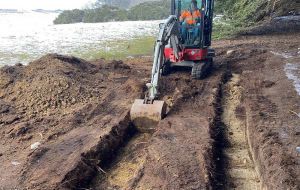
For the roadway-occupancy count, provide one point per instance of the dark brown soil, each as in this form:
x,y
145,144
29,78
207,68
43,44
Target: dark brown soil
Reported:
x,y
78,112
180,153
66,104
269,104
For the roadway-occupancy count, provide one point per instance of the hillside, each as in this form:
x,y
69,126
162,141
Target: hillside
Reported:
x,y
247,12
155,10
239,13
123,3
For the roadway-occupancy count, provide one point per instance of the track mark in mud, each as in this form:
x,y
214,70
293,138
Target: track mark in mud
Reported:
x,y
239,168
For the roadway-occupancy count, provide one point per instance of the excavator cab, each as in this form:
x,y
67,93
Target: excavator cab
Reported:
x,y
191,34
203,25
194,48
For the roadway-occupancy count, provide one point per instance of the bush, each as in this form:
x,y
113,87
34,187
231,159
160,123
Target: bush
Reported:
x,y
248,12
150,11
72,16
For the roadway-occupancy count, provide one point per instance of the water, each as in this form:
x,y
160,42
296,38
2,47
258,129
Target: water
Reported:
x,y
27,36
292,67
293,73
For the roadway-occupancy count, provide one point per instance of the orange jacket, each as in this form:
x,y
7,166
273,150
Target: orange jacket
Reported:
x,y
190,18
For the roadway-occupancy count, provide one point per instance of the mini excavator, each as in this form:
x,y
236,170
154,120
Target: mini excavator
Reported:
x,y
175,49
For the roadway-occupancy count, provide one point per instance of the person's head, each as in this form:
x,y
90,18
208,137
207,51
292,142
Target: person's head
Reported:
x,y
194,5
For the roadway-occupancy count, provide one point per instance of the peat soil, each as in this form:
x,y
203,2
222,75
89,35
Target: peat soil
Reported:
x,y
179,154
55,110
265,89
65,122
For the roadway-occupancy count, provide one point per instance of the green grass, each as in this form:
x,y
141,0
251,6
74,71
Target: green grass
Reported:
x,y
20,57
143,46
121,49
222,30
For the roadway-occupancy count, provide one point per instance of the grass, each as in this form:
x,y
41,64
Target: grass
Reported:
x,y
239,14
121,49
12,58
144,45
222,30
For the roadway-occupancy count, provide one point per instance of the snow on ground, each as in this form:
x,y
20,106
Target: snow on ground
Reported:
x,y
292,67
27,36
293,73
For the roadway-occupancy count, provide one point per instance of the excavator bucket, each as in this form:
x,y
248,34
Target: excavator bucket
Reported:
x,y
146,116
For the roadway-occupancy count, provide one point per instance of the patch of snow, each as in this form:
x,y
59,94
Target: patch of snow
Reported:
x,y
288,18
218,18
35,146
229,52
284,55
30,35
15,163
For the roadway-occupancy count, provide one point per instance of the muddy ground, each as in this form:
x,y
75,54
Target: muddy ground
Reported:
x,y
65,122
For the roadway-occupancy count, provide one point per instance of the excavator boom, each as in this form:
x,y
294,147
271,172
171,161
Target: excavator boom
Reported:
x,y
146,113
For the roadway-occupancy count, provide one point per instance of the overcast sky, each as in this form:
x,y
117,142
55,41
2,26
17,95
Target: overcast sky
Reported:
x,y
43,4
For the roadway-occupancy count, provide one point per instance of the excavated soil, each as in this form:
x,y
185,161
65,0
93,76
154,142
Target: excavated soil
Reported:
x,y
68,106
65,123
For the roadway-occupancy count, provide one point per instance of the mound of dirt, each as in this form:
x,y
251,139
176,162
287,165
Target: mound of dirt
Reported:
x,y
49,99
53,84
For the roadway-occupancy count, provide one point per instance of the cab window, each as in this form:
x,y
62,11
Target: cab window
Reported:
x,y
185,4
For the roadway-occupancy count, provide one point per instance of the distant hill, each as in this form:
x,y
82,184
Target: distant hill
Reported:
x,y
9,11
155,10
47,11
123,3
240,13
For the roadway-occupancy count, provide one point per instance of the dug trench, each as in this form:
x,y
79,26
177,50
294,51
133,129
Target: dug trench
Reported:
x,y
178,154
187,148
238,165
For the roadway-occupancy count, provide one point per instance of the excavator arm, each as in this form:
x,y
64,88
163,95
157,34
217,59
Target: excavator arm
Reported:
x,y
169,31
145,113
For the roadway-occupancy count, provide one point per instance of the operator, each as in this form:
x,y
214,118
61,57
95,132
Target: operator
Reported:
x,y
190,18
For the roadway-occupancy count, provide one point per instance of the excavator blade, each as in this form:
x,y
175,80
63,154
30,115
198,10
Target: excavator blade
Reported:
x,y
146,116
